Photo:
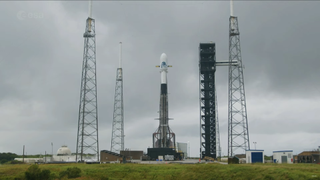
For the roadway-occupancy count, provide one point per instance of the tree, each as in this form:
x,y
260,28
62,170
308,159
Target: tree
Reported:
x,y
5,157
35,173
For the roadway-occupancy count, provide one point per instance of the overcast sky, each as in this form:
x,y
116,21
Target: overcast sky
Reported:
x,y
41,59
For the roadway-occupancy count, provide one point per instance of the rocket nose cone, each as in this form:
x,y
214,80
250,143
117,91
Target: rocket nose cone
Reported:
x,y
163,58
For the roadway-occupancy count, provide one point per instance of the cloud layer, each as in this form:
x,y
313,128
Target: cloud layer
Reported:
x,y
41,59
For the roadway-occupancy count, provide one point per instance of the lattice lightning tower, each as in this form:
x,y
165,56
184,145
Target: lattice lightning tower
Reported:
x,y
117,139
238,134
87,136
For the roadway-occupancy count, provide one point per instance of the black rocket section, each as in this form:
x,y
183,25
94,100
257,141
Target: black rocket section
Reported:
x,y
164,89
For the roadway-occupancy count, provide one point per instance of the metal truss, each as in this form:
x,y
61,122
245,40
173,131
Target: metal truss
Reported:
x,y
238,134
217,127
117,139
168,141
87,136
207,70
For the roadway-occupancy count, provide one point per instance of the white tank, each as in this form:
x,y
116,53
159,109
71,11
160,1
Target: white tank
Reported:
x,y
63,151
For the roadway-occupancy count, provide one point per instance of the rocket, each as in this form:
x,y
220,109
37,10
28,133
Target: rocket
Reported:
x,y
163,71
163,137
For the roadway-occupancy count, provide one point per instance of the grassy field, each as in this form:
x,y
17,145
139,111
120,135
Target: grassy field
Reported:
x,y
175,171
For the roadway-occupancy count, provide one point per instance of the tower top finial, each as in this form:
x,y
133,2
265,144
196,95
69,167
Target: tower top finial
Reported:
x,y
120,54
231,7
90,8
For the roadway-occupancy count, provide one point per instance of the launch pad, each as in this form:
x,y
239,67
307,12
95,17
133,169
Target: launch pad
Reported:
x,y
164,139
154,153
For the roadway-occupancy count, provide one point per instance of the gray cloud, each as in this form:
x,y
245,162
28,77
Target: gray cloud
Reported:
x,y
41,63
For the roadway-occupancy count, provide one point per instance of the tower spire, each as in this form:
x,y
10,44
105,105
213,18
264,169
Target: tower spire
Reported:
x,y
238,133
120,54
87,136
90,9
231,7
117,138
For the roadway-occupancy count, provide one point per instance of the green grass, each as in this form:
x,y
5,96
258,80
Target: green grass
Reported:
x,y
175,171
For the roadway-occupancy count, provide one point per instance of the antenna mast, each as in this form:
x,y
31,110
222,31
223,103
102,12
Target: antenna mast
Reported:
x,y
90,8
87,136
117,138
231,7
238,134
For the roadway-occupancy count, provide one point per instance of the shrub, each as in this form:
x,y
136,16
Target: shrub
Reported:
x,y
35,173
32,172
45,174
71,173
74,172
62,174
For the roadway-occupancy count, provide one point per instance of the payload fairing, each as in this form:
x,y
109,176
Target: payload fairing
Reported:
x,y
163,137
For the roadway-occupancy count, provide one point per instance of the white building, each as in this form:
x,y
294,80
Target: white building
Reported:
x,y
63,155
284,156
31,160
254,156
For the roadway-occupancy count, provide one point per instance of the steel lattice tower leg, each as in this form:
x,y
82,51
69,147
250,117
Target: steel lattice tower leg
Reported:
x,y
87,136
117,139
238,134
217,128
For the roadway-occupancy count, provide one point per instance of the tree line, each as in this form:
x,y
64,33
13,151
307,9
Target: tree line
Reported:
x,y
6,157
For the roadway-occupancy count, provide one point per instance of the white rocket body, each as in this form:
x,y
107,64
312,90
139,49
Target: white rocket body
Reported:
x,y
163,137
163,68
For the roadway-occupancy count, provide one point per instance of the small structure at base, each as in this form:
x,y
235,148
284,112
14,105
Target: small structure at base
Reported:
x,y
233,160
241,157
284,156
309,157
183,148
132,155
108,156
254,156
154,153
